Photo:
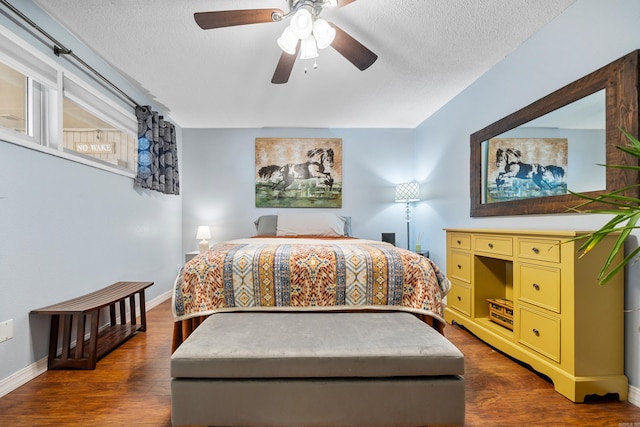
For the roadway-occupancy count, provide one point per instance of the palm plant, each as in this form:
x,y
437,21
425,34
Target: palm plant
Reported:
x,y
626,211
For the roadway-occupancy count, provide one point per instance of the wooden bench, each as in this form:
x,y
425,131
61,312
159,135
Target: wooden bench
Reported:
x,y
85,310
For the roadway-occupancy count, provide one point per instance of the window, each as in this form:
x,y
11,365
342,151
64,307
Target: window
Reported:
x,y
13,104
85,125
87,134
21,103
28,82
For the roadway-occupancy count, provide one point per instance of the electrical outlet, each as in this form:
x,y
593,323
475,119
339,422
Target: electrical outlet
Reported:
x,y
6,330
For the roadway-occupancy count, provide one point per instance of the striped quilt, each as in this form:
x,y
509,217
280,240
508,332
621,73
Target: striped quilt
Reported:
x,y
286,274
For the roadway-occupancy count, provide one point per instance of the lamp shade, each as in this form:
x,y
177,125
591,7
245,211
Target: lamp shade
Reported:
x,y
308,48
302,24
324,33
288,42
203,232
407,192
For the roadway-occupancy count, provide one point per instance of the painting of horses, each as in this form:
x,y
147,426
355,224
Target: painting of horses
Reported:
x,y
298,172
524,168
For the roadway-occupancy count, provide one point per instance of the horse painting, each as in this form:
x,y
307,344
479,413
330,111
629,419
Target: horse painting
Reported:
x,y
298,172
508,161
318,161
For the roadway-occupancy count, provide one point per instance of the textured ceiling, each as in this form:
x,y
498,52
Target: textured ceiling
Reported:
x,y
428,51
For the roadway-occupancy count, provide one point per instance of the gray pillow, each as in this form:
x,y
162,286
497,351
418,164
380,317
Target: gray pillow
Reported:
x,y
266,225
347,226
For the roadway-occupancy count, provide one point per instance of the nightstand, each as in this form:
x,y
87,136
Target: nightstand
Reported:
x,y
424,253
189,255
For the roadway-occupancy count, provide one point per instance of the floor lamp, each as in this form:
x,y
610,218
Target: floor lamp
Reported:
x,y
406,193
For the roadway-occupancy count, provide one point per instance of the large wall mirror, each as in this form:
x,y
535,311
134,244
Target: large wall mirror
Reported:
x,y
529,161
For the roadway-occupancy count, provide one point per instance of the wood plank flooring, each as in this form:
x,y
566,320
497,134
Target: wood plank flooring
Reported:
x,y
130,387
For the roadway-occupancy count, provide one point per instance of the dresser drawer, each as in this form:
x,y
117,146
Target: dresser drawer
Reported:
x,y
459,266
459,298
460,241
540,332
540,285
493,245
539,249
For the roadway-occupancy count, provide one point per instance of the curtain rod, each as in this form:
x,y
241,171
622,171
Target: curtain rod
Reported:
x,y
60,49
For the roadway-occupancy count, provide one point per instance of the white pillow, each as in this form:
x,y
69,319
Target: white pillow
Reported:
x,y
312,224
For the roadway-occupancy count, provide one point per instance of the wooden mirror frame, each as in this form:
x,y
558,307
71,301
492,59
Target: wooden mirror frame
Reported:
x,y
620,79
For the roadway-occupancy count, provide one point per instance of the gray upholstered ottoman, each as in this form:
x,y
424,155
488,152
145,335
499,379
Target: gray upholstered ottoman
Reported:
x,y
316,369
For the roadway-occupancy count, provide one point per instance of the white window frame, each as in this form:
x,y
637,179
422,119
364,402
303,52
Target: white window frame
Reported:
x,y
51,76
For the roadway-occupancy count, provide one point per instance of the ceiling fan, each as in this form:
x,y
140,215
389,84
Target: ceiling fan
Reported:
x,y
306,33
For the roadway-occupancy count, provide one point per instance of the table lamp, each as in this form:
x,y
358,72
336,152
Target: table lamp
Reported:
x,y
203,233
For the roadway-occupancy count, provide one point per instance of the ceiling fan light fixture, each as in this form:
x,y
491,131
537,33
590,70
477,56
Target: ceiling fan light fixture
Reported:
x,y
288,41
302,24
323,33
302,15
308,48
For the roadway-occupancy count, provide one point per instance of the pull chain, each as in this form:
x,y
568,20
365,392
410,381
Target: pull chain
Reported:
x,y
315,65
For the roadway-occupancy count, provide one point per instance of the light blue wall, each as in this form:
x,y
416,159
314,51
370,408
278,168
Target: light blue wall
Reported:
x,y
219,183
67,229
587,36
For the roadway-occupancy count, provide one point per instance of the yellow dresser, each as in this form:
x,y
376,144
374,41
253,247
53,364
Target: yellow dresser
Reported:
x,y
565,325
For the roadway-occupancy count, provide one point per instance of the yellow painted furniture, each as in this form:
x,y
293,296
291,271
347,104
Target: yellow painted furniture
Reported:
x,y
565,324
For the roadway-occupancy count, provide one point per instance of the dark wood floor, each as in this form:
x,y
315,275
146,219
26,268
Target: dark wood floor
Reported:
x,y
130,387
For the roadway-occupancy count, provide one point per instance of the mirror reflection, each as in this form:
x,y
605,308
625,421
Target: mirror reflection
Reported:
x,y
559,151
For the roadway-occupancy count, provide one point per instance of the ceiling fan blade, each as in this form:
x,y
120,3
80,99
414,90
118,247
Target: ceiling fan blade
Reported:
x,y
342,3
353,50
284,67
230,18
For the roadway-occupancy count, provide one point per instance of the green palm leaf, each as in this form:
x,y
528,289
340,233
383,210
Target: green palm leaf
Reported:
x,y
626,211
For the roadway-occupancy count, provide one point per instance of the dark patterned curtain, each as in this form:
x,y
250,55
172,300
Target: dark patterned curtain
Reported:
x,y
157,153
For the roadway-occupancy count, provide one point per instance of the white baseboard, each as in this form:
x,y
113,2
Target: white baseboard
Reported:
x,y
23,376
157,300
634,395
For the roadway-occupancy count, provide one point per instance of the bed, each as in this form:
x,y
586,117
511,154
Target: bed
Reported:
x,y
306,262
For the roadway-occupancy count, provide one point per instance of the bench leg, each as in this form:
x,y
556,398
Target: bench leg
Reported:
x,y
73,358
66,336
132,309
80,328
53,340
143,312
112,314
92,356
123,313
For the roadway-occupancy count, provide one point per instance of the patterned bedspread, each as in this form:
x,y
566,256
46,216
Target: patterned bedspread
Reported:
x,y
286,274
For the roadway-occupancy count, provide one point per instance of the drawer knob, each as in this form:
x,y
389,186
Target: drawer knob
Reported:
x,y
490,245
535,250
536,332
459,242
459,298
459,267
536,286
